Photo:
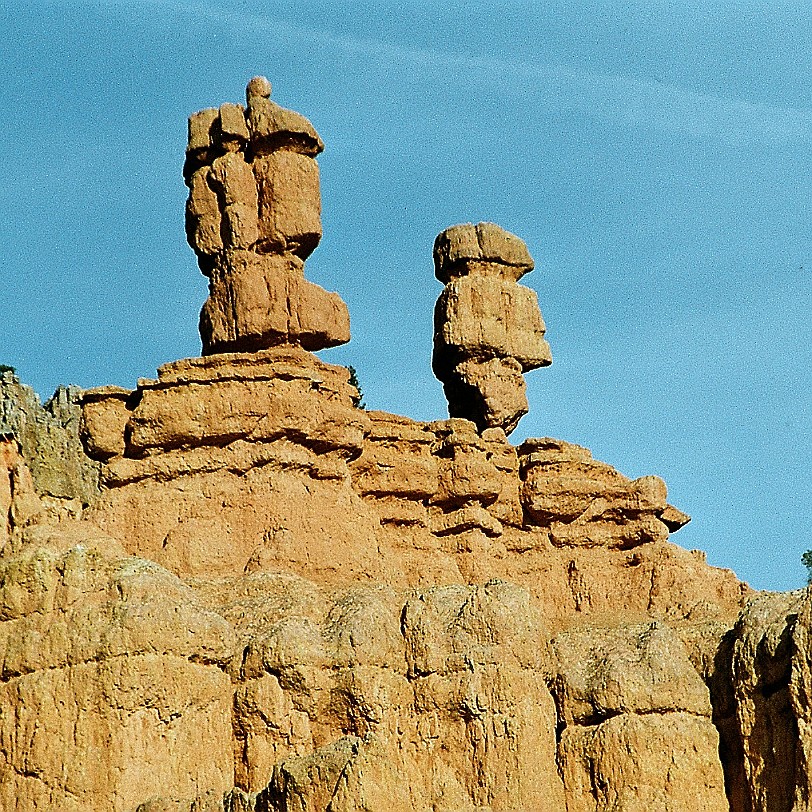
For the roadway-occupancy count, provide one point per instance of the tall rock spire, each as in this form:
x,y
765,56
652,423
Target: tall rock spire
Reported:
x,y
253,217
488,329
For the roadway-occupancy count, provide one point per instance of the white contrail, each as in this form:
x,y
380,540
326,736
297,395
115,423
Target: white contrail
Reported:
x,y
622,100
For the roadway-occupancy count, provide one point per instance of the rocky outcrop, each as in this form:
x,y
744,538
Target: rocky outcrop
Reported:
x,y
111,685
635,729
253,217
267,691
230,589
442,476
369,699
765,684
586,503
19,500
48,438
244,462
488,329
227,464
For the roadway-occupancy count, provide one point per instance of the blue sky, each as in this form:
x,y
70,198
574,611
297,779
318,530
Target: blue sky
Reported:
x,y
655,157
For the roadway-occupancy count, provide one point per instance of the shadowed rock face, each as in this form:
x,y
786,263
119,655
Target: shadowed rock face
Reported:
x,y
253,217
488,329
48,438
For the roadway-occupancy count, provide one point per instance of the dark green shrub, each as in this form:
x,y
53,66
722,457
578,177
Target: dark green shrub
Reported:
x,y
357,400
806,560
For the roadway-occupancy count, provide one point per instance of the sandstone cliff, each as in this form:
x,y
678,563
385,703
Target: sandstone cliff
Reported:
x,y
229,588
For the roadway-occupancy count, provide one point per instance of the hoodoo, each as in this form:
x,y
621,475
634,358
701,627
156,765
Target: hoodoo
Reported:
x,y
253,217
229,589
488,329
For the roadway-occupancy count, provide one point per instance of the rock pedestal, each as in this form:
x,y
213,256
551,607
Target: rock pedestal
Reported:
x,y
488,329
253,217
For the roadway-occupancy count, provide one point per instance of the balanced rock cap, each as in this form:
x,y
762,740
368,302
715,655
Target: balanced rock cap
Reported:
x,y
259,86
484,249
273,127
259,128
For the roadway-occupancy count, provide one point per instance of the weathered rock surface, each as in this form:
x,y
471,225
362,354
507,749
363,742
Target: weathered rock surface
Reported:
x,y
586,503
19,501
765,695
367,614
111,685
253,217
245,462
488,330
230,590
343,562
397,673
367,699
229,463
49,442
635,730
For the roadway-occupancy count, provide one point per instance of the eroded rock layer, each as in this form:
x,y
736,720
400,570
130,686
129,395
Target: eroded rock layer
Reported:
x,y
243,462
375,612
229,589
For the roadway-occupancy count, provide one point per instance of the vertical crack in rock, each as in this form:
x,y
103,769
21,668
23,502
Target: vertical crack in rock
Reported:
x,y
731,744
770,682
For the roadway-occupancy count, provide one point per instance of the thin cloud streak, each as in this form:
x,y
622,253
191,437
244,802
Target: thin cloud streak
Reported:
x,y
617,99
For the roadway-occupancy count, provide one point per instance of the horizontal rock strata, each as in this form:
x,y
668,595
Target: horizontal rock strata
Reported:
x,y
229,589
373,608
243,462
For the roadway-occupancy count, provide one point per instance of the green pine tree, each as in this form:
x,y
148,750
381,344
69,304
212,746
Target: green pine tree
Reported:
x,y
806,560
357,400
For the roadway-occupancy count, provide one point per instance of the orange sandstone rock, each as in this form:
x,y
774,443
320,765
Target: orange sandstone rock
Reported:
x,y
248,462
112,690
434,699
488,330
230,589
588,503
635,722
253,216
